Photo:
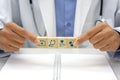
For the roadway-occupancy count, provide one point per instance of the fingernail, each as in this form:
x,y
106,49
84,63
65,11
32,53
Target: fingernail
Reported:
x,y
36,41
76,43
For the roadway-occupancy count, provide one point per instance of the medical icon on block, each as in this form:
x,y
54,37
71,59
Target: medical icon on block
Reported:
x,y
56,42
70,43
43,42
52,43
62,43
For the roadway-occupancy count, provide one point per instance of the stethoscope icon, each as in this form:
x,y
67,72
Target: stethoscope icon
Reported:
x,y
52,43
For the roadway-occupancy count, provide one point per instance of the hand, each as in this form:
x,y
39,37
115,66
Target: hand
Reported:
x,y
12,37
102,36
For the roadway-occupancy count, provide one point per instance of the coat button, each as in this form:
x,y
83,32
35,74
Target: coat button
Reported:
x,y
68,24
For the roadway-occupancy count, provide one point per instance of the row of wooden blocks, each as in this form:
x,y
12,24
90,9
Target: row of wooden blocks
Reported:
x,y
56,42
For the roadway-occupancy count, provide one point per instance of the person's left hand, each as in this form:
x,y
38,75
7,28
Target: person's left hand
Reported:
x,y
102,36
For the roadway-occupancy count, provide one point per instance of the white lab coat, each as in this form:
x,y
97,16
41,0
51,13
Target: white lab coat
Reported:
x,y
87,12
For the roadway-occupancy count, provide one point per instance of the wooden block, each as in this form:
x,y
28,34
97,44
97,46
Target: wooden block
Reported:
x,y
53,42
62,42
70,43
43,42
56,42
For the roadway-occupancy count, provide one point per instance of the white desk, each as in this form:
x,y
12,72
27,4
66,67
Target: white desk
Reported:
x,y
115,65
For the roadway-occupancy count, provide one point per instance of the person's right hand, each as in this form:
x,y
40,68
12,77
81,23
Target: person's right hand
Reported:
x,y
12,37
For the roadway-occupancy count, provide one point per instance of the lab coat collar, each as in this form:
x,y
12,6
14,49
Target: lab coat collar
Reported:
x,y
82,10
48,12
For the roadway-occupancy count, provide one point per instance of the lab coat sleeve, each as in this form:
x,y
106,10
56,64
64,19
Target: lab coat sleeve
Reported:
x,y
3,54
115,55
5,12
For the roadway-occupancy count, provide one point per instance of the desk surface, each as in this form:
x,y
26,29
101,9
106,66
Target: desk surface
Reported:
x,y
114,64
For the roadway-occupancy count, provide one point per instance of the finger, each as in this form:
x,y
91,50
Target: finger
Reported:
x,y
101,43
16,29
93,31
12,36
3,42
110,47
18,39
0,41
22,32
97,38
106,33
8,48
15,44
107,48
108,39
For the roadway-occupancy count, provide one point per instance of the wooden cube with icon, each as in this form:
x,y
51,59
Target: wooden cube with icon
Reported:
x,y
70,43
53,42
43,42
62,42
